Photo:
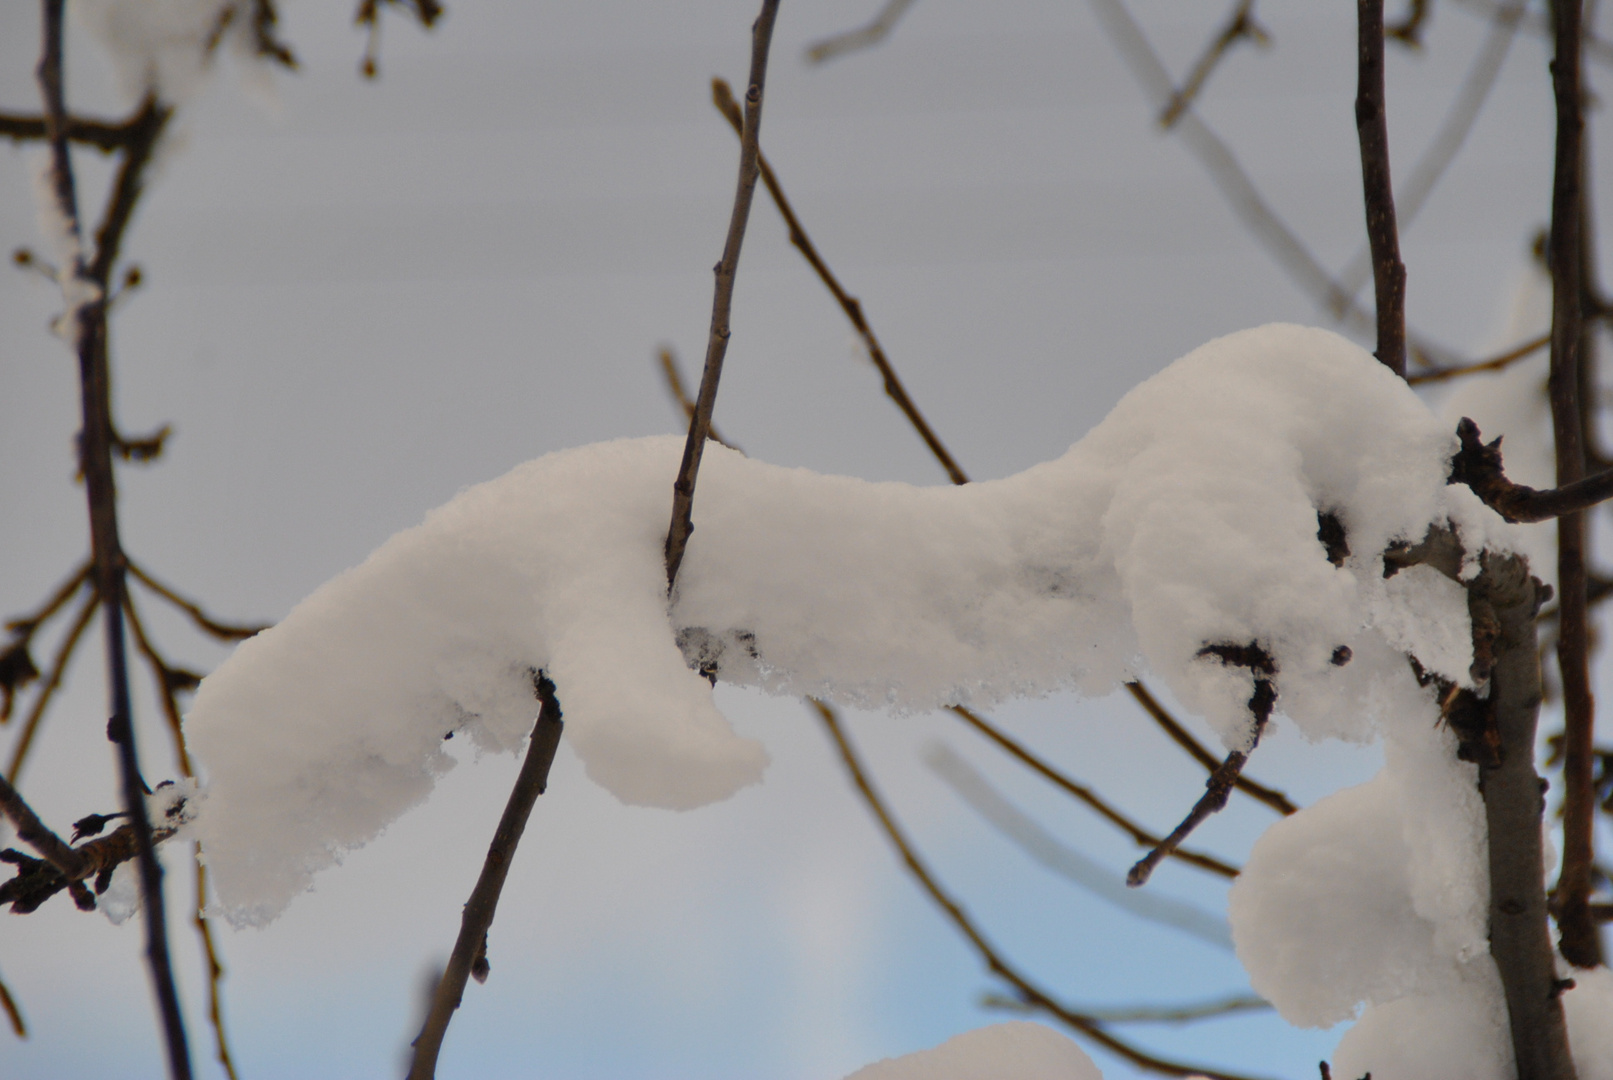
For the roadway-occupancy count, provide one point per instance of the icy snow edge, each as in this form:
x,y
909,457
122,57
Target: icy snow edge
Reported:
x,y
1189,516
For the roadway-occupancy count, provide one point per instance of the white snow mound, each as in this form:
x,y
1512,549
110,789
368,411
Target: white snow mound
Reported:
x,y
1188,517
1017,1050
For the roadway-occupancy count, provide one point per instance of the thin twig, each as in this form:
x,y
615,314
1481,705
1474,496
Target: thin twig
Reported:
x,y
479,909
1240,26
723,98
34,833
1148,1014
222,631
674,385
1495,363
16,664
1239,190
1092,799
677,537
1442,149
1028,991
106,136
53,680
1580,941
19,1027
27,624
1184,738
86,324
1409,30
1372,130
1219,786
161,674
865,36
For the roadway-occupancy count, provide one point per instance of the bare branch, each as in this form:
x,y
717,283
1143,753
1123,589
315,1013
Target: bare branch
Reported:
x,y
215,971
1147,1014
34,833
680,396
1409,30
221,630
1086,795
1580,942
1219,786
104,135
47,689
1495,363
1028,992
1239,191
16,664
1371,125
1478,465
1239,27
677,537
864,37
19,1028
723,97
1184,738
483,902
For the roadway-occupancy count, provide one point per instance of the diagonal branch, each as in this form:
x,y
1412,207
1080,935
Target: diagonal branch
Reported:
x,y
1239,27
1495,363
19,1027
677,537
471,945
53,681
222,631
1184,738
34,833
1086,795
1027,991
723,97
863,37
680,395
1149,1014
1219,786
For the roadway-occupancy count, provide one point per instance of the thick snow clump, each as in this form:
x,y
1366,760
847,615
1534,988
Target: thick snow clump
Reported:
x,y
1188,517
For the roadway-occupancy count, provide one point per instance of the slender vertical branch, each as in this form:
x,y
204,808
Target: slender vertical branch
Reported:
x,y
1388,272
479,909
677,537
1580,942
85,323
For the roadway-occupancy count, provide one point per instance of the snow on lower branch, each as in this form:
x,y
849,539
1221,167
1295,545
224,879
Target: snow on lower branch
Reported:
x,y
1188,517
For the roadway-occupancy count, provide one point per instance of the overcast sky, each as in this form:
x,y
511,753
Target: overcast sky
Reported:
x,y
362,297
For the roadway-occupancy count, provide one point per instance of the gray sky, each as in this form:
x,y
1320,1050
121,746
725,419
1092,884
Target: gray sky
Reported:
x,y
364,297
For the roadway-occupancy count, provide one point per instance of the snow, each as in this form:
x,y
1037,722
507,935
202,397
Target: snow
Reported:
x,y
1187,517
1018,1050
167,46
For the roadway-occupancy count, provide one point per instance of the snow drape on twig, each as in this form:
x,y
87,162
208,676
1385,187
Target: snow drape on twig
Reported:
x,y
1188,517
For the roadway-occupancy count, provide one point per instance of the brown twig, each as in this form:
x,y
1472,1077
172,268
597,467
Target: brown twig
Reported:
x,y
222,631
1234,184
1029,992
106,136
1147,1014
163,676
674,385
1371,125
34,833
1086,795
1240,26
215,970
1409,30
16,664
865,36
1495,363
53,680
1184,738
19,1027
86,323
1478,465
1580,942
677,537
1220,784
723,98
479,909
